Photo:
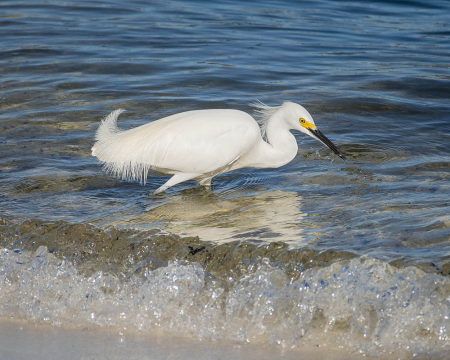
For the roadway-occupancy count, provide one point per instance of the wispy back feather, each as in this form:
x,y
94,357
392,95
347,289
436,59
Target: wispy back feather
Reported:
x,y
108,126
109,151
263,113
130,154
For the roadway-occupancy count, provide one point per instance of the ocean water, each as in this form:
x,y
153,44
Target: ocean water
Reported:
x,y
352,254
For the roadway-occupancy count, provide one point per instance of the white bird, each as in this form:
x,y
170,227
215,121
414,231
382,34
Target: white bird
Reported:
x,y
201,144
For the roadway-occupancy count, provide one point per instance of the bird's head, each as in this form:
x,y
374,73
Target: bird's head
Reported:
x,y
300,119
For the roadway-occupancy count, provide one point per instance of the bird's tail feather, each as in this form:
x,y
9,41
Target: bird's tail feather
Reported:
x,y
108,128
118,152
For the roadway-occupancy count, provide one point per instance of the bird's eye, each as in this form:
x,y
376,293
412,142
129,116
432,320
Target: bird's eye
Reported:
x,y
302,120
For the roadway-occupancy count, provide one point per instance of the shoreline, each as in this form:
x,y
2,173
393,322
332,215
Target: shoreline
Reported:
x,y
23,340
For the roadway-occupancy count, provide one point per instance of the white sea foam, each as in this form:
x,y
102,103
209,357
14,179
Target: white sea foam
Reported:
x,y
364,305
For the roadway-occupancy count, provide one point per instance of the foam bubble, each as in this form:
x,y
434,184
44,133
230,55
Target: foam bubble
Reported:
x,y
363,305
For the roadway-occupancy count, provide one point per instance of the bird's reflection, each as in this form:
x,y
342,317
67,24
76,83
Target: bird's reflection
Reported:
x,y
274,216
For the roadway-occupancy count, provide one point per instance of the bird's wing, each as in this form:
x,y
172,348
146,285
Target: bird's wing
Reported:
x,y
202,141
192,142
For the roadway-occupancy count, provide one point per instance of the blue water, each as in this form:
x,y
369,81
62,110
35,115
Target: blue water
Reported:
x,y
373,74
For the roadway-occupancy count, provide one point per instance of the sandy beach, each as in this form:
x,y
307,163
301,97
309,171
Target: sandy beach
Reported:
x,y
21,340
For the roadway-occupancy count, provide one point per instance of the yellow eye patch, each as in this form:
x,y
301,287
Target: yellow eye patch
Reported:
x,y
307,124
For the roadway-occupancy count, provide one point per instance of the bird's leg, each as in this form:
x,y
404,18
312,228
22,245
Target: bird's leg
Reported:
x,y
205,182
176,179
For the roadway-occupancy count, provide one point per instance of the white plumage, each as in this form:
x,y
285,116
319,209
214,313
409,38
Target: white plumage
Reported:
x,y
203,143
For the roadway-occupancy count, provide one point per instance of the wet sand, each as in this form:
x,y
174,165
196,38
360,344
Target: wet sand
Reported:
x,y
22,340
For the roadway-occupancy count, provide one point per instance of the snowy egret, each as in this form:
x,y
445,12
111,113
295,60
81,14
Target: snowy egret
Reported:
x,y
201,144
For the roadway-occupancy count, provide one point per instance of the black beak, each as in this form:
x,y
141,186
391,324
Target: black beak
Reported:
x,y
324,140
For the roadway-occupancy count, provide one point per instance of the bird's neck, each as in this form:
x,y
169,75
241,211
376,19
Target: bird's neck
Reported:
x,y
280,148
284,145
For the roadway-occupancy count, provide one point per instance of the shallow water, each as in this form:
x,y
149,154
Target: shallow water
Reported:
x,y
374,75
